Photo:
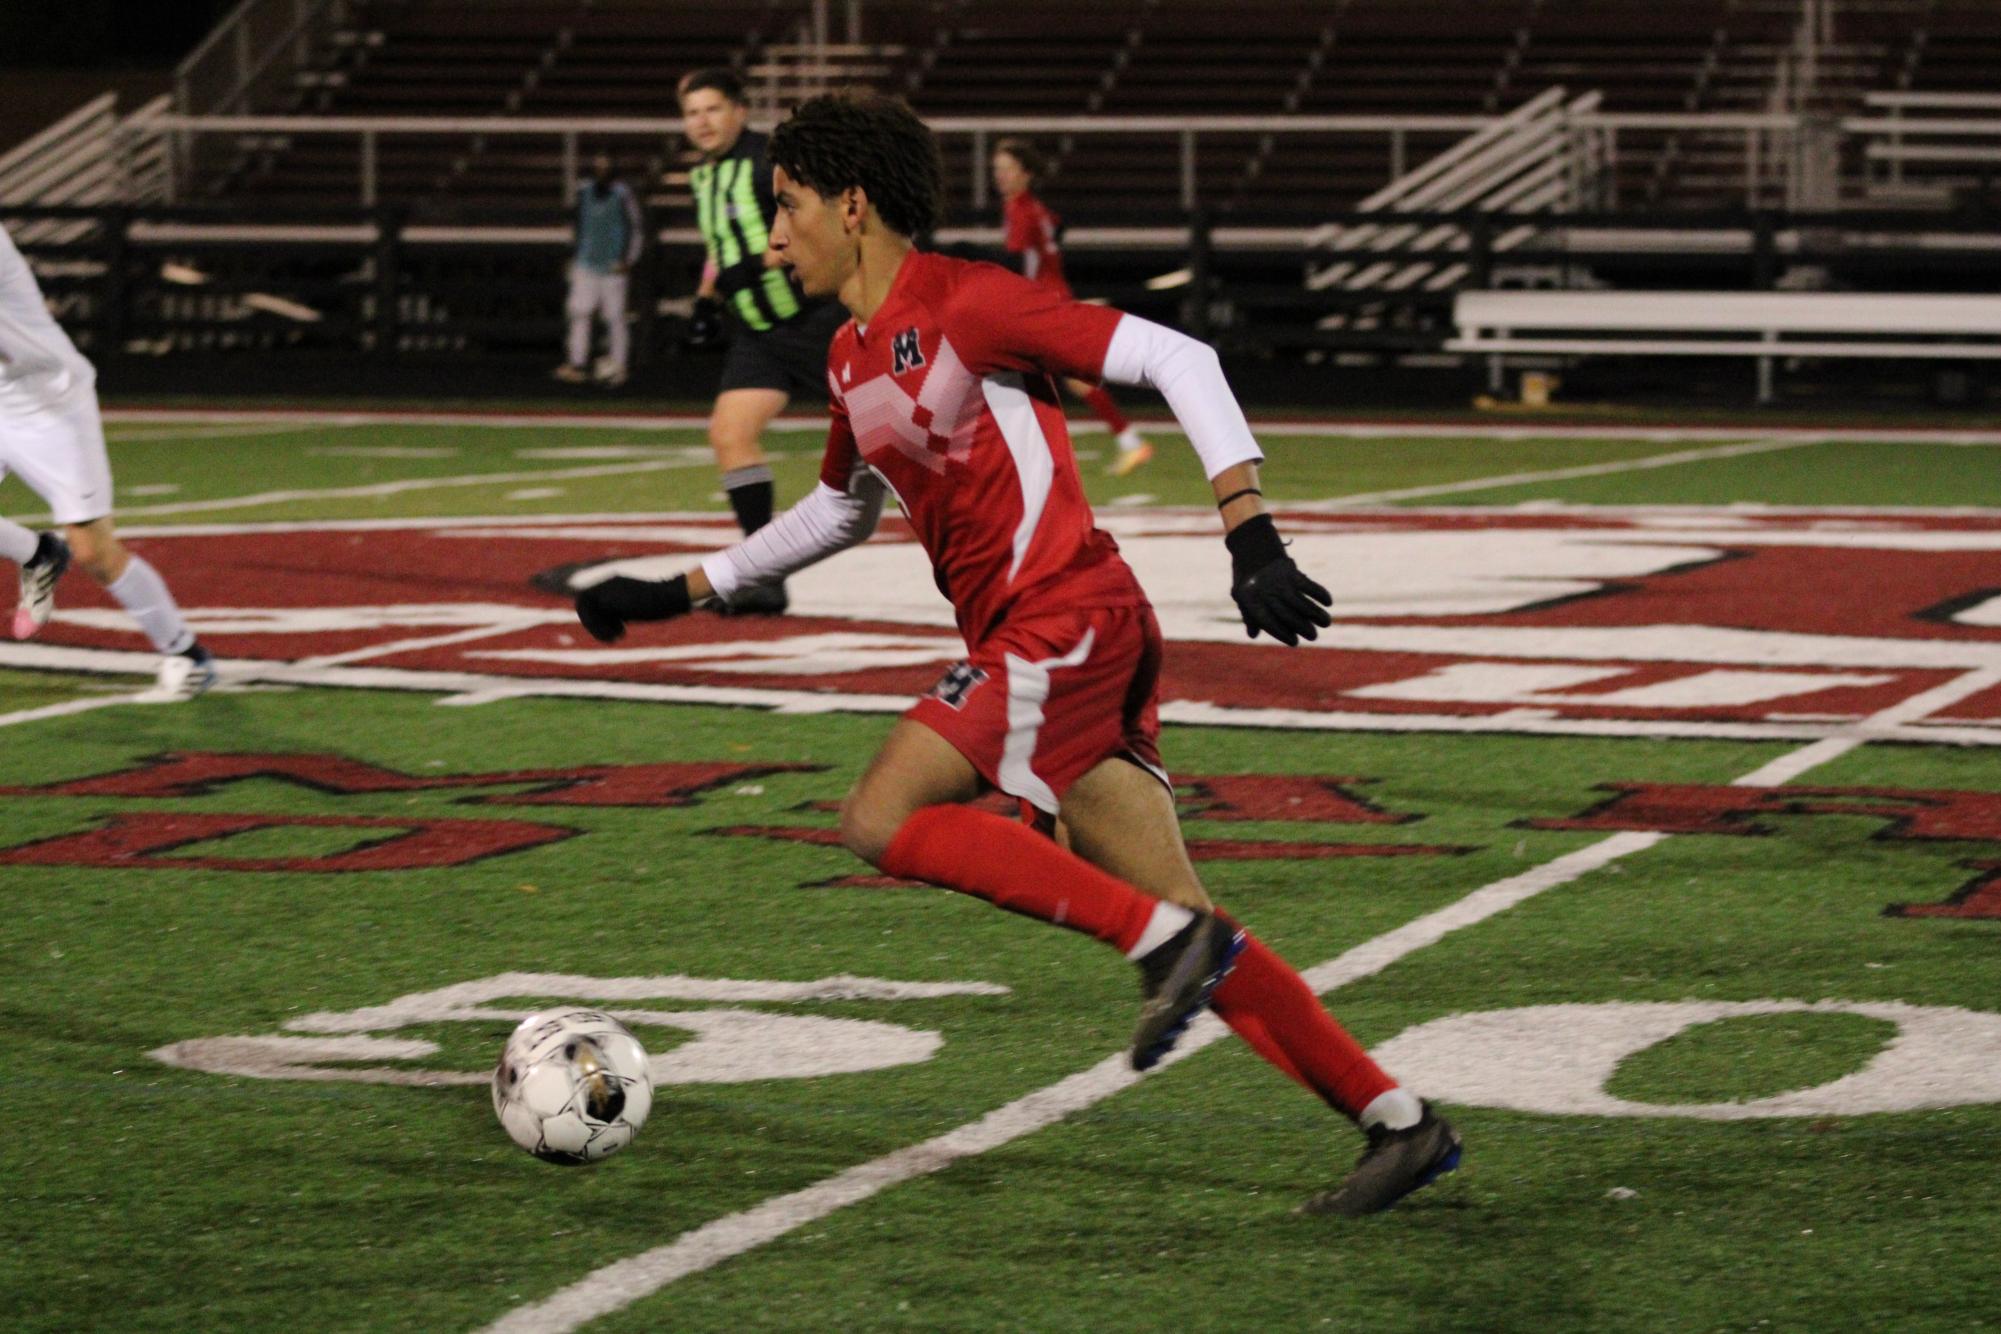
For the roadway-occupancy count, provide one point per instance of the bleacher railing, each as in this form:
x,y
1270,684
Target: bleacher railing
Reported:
x,y
1921,147
969,138
256,48
91,156
377,283
1534,160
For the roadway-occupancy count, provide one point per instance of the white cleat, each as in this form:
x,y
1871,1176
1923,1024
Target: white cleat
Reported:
x,y
1134,452
184,677
38,585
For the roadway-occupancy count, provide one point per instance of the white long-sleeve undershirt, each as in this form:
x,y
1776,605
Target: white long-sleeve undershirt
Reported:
x,y
1189,376
823,522
1185,371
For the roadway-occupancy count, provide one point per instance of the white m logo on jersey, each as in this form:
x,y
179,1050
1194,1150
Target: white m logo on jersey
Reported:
x,y
908,355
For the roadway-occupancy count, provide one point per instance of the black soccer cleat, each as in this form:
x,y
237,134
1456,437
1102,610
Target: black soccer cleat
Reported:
x,y
38,584
1396,1163
1177,979
758,600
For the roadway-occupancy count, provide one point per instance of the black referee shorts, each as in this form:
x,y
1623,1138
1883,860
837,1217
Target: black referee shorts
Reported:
x,y
789,357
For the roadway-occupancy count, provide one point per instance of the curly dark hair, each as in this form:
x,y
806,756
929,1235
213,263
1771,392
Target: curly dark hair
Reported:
x,y
846,140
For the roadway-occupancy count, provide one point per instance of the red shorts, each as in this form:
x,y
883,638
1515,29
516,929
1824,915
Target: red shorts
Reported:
x,y
1046,697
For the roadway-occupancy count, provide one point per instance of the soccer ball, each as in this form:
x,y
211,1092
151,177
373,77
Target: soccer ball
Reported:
x,y
572,1086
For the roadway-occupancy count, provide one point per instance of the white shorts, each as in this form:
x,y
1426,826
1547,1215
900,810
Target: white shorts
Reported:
x,y
59,453
593,293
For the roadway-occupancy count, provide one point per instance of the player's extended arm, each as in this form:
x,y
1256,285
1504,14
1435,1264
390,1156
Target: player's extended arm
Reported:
x,y
1272,594
823,522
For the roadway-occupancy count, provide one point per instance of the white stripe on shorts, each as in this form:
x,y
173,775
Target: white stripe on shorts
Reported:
x,y
1027,692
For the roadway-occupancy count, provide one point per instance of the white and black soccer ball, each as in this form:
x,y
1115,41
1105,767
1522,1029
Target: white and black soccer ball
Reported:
x,y
572,1086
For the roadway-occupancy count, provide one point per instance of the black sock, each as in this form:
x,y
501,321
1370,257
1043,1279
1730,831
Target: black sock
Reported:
x,y
751,496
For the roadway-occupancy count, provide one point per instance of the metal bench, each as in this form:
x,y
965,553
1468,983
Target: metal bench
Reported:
x,y
1763,325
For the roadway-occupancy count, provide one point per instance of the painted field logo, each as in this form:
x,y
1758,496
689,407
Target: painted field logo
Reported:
x,y
1307,799
209,841
1745,812
1661,622
201,840
730,1045
1557,1059
167,840
177,840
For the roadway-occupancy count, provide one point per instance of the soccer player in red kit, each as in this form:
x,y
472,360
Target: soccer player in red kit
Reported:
x,y
942,390
1033,234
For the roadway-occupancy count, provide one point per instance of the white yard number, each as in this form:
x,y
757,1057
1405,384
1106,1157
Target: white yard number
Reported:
x,y
731,1044
1557,1058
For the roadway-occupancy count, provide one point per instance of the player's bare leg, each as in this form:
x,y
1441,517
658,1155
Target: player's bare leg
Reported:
x,y
736,434
1121,817
914,769
187,668
97,550
906,815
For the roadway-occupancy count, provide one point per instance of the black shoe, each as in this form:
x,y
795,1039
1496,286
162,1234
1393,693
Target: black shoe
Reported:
x,y
1396,1163
1177,978
38,584
758,600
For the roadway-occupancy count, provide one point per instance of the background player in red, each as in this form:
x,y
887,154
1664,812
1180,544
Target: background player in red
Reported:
x,y
1034,234
942,390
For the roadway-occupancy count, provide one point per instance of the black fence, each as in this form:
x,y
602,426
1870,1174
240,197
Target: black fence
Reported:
x,y
383,285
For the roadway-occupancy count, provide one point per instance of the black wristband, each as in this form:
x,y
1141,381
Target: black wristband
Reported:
x,y
1238,495
1254,544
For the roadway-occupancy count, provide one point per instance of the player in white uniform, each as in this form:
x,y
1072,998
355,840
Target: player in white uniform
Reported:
x,y
51,436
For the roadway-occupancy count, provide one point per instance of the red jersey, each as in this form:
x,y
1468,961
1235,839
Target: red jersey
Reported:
x,y
947,396
1031,233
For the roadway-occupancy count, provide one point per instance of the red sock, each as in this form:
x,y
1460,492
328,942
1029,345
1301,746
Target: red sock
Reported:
x,y
1108,411
1271,1007
1013,867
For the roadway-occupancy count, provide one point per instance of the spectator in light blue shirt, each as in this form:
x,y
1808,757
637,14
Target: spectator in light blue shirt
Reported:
x,y
609,236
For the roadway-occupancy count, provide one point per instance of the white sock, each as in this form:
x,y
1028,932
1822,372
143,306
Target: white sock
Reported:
x,y
143,593
17,543
1398,1109
1130,439
1160,928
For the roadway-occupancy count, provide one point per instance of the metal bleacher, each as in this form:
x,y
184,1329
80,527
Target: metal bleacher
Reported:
x,y
1439,68
481,58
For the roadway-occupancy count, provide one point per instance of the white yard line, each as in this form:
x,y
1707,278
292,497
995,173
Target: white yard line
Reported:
x,y
643,517
1786,768
460,687
618,1285
228,431
303,671
1764,446
69,707
414,484
1499,429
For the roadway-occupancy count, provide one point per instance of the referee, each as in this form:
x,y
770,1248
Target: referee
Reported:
x,y
780,342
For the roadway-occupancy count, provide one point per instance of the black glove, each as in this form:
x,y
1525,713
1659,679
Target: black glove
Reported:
x,y
1271,593
705,323
604,608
